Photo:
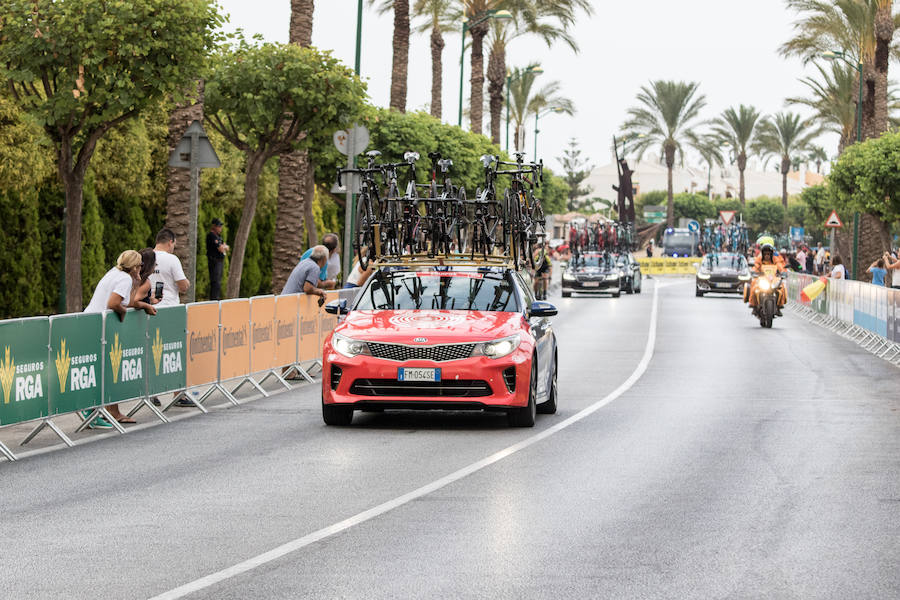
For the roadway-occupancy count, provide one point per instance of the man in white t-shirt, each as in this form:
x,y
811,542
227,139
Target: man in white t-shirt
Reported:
x,y
168,270
820,259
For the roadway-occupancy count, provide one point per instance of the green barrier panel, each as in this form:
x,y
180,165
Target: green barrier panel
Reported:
x,y
124,356
76,352
24,369
167,331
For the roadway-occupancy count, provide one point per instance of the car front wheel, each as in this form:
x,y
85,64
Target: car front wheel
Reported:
x,y
548,407
525,416
336,415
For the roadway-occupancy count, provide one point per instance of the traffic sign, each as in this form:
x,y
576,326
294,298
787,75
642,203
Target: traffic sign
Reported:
x,y
834,220
727,216
359,139
693,226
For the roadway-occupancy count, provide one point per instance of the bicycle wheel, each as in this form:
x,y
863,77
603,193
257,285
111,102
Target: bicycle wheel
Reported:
x,y
364,238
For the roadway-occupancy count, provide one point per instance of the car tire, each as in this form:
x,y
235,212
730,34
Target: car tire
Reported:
x,y
700,294
525,416
340,416
566,294
616,294
640,285
629,289
548,407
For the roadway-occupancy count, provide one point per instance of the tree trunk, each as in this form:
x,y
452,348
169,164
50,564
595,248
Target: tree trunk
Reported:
x,y
785,169
73,186
400,66
669,150
868,111
255,163
874,241
178,182
437,69
742,166
497,78
287,244
301,27
312,234
884,36
293,171
476,97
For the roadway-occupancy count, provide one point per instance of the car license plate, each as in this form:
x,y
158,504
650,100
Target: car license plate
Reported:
x,y
722,285
591,284
406,374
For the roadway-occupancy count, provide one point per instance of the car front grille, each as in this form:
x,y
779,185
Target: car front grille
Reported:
x,y
434,353
452,388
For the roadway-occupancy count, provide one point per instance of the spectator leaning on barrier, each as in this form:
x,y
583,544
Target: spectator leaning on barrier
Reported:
x,y
305,276
892,263
357,275
116,291
328,273
168,269
215,258
143,290
801,258
878,272
838,271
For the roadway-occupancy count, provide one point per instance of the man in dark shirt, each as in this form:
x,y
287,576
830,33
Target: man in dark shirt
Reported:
x,y
215,258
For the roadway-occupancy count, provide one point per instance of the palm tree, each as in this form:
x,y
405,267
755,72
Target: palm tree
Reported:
x,y
474,11
295,177
737,129
440,19
710,149
833,98
884,37
548,19
785,135
400,61
817,155
526,101
666,115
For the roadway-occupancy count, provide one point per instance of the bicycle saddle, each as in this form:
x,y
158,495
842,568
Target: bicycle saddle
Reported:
x,y
519,156
434,156
445,164
486,160
410,157
373,153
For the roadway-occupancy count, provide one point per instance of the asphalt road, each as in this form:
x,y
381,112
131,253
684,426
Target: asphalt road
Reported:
x,y
734,462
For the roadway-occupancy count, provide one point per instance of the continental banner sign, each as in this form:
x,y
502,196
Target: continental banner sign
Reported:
x,y
24,370
202,343
668,265
234,356
262,333
166,331
76,355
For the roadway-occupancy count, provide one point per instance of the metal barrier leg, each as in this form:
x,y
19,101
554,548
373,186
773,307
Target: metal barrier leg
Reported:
x,y
146,402
183,395
252,382
111,420
7,453
277,376
302,372
53,427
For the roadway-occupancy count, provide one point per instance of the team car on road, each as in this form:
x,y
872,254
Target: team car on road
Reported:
x,y
722,273
471,339
593,272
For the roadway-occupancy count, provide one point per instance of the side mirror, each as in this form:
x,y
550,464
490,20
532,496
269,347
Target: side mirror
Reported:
x,y
337,307
542,309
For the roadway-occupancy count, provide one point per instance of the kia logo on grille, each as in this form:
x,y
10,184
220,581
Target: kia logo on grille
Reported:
x,y
420,340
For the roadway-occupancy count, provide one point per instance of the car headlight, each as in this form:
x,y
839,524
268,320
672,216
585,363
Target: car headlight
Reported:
x,y
612,277
568,277
349,347
764,284
702,275
744,277
497,348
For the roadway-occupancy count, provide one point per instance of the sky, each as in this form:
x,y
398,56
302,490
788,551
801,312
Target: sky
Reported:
x,y
729,46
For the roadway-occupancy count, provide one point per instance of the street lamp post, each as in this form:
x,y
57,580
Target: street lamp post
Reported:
x,y
509,79
537,115
490,14
833,55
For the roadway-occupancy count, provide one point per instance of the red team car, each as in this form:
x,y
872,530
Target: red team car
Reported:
x,y
456,339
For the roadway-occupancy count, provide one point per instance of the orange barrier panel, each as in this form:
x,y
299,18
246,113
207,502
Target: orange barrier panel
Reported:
x,y
202,343
327,322
262,333
286,309
310,348
234,356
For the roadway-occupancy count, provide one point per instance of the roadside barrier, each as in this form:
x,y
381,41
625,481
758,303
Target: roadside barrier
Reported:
x,y
861,312
669,265
80,363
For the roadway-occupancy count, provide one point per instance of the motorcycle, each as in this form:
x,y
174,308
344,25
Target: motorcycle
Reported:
x,y
767,289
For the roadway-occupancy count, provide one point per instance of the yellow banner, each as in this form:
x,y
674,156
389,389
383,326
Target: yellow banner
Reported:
x,y
667,265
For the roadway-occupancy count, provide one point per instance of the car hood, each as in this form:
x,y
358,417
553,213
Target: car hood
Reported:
x,y
592,271
726,272
435,326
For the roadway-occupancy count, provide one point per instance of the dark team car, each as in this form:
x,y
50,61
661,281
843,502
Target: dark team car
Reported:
x,y
722,273
593,273
633,279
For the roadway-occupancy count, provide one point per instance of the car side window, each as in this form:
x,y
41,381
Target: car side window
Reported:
x,y
527,292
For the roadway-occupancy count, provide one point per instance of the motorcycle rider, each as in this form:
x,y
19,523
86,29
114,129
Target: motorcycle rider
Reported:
x,y
767,258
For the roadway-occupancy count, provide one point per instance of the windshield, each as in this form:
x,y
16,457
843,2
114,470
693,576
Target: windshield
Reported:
x,y
725,260
679,239
593,260
492,292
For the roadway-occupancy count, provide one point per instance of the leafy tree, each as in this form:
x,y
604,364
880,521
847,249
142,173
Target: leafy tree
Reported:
x,y
554,193
765,214
21,290
82,67
694,206
785,135
737,129
666,115
93,257
253,101
576,170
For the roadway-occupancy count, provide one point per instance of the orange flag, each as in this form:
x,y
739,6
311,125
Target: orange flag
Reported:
x,y
812,291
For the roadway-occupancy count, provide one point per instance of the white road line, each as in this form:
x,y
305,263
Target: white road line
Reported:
x,y
297,544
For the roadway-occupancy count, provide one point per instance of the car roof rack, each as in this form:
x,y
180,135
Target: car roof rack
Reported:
x,y
445,260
